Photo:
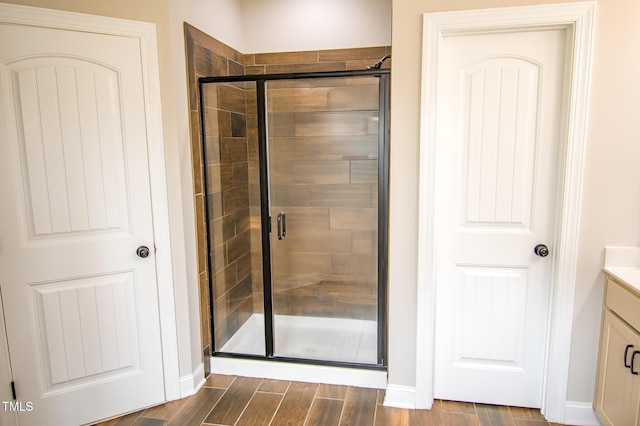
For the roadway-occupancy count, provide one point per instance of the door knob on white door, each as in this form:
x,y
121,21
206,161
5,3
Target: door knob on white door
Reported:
x,y
142,251
541,250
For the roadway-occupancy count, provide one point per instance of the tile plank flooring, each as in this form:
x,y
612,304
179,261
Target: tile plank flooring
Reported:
x,y
234,400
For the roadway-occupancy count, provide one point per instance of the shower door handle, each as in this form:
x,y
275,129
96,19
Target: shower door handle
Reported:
x,y
282,225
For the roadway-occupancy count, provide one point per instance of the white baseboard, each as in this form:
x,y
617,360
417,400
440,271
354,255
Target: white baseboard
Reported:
x,y
576,413
580,413
191,383
400,396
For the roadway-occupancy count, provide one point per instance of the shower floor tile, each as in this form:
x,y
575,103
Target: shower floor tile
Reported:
x,y
331,339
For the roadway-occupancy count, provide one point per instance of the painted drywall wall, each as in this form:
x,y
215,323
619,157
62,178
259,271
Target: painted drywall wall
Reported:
x,y
289,25
182,250
221,17
611,200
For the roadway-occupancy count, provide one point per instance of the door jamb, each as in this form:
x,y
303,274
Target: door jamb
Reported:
x,y
578,19
145,33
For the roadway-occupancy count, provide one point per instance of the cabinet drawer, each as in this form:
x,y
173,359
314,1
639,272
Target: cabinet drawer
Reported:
x,y
624,303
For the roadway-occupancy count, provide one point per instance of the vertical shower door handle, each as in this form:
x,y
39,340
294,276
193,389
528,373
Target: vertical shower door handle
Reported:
x,y
282,225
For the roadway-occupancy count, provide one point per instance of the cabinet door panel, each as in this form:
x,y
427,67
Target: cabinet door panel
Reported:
x,y
617,402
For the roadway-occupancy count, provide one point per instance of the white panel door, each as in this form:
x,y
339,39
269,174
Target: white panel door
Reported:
x,y
498,142
81,307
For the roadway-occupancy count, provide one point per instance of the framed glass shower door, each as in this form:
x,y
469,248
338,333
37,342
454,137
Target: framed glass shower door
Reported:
x,y
233,211
323,139
296,202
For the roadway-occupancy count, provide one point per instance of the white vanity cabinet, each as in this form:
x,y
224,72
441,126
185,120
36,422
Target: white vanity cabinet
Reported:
x,y
618,386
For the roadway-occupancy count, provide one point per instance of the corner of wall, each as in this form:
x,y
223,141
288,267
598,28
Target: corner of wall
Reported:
x,y
580,413
400,397
191,383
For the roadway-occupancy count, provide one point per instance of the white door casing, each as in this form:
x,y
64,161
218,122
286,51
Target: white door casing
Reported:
x,y
82,181
498,116
577,20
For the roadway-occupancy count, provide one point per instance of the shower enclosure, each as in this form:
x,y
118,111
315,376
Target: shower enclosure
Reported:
x,y
296,179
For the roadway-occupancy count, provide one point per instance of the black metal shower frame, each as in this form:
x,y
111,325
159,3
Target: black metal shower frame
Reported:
x,y
263,159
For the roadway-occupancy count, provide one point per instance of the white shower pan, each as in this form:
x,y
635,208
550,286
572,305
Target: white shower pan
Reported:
x,y
317,338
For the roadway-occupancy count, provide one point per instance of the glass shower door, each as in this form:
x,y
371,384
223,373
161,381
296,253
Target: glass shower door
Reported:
x,y
323,183
232,188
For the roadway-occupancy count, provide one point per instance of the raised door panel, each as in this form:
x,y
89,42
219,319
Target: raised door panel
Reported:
x,y
88,330
501,96
71,146
490,325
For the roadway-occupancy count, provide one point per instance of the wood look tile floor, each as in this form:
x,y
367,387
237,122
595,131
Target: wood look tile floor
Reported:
x,y
234,400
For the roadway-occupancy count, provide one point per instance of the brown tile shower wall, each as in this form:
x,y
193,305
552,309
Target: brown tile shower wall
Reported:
x,y
234,192
227,200
315,60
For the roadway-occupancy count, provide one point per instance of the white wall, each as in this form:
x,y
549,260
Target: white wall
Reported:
x,y
611,203
222,20
290,25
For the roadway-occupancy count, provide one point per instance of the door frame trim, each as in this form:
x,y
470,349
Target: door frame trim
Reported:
x,y
578,19
145,33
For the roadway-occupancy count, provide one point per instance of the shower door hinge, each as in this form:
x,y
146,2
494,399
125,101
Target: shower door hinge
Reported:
x,y
13,390
269,224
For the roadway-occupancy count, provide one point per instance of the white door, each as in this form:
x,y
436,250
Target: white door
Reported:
x,y
81,306
497,154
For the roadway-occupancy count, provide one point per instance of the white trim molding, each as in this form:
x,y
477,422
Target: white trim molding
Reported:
x,y
400,397
578,20
580,413
145,33
191,383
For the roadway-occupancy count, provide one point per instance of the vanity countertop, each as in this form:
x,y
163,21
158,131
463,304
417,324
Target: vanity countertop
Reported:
x,y
623,264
